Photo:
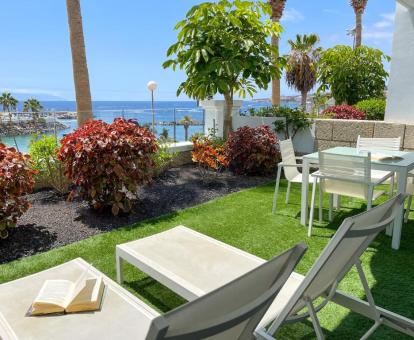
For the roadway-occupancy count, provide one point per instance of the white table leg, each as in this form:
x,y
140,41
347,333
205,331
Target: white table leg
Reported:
x,y
119,272
304,196
396,233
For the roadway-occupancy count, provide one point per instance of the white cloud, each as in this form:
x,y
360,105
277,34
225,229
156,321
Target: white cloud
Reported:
x,y
330,11
383,24
292,15
381,30
387,20
33,91
389,16
378,35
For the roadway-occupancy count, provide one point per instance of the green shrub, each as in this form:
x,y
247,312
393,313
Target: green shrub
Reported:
x,y
296,119
43,152
163,158
374,108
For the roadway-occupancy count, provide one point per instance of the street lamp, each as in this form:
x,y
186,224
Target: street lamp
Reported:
x,y
152,86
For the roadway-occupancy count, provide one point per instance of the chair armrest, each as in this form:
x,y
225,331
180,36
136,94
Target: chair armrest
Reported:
x,y
381,180
283,165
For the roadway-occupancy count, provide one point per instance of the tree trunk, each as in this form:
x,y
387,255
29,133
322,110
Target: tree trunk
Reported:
x,y
228,117
80,67
358,29
186,132
304,99
275,80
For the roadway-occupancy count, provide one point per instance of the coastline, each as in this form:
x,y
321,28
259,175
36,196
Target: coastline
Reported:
x,y
29,128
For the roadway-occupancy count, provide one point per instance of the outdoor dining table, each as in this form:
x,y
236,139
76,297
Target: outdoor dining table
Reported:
x,y
401,166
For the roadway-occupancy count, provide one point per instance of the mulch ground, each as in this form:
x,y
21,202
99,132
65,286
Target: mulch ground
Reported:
x,y
52,221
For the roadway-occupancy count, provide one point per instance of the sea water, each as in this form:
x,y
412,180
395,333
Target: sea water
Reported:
x,y
165,112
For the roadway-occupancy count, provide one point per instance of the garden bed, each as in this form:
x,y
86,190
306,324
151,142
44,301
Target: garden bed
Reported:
x,y
52,221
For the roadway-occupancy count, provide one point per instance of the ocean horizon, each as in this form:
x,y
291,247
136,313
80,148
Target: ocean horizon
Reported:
x,y
165,112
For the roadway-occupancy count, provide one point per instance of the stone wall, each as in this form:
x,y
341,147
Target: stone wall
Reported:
x,y
333,132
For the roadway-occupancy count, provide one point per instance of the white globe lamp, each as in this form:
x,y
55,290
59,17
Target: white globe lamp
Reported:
x,y
152,86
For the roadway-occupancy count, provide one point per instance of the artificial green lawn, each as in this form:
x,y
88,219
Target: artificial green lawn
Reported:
x,y
244,220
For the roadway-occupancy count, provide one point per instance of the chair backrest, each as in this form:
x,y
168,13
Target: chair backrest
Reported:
x,y
232,311
378,144
348,175
288,157
350,241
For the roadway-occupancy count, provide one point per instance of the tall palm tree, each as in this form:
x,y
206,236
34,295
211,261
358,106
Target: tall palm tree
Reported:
x,y
278,6
359,8
32,105
302,62
9,103
186,122
80,67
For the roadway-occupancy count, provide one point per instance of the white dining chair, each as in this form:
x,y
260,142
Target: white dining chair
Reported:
x,y
344,175
410,193
377,145
290,167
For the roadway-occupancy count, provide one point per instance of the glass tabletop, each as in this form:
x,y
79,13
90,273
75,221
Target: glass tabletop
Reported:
x,y
405,158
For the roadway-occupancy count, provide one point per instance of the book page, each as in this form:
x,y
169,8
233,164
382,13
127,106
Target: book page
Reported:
x,y
54,292
78,286
89,298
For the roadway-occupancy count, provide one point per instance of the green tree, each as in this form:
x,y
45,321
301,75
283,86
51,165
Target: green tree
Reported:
x,y
352,75
8,103
359,8
33,105
302,64
186,122
223,48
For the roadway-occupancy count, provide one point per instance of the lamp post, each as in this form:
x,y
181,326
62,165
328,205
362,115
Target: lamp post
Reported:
x,y
152,86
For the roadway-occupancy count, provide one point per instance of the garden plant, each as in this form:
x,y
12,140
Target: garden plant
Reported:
x,y
222,47
343,112
44,154
352,75
252,150
16,180
107,162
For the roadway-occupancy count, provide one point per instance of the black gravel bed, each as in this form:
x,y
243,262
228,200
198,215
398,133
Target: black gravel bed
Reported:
x,y
52,221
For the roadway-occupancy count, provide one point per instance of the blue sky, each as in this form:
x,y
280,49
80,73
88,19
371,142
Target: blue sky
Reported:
x,y
126,41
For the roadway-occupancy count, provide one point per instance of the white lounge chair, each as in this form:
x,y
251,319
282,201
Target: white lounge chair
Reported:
x,y
232,311
378,145
192,264
344,175
290,167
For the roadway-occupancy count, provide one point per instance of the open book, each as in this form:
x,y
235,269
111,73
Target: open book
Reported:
x,y
63,296
385,157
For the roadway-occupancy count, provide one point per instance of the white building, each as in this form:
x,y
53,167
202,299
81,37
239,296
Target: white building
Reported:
x,y
400,102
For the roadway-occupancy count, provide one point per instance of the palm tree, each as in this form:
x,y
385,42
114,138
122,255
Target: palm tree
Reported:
x,y
278,7
9,103
80,67
359,8
301,68
186,122
32,105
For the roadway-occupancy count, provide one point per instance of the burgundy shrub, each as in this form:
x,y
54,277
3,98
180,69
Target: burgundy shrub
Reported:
x,y
344,112
253,150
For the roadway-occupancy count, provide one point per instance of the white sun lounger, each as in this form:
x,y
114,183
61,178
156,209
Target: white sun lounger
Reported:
x,y
230,312
192,264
